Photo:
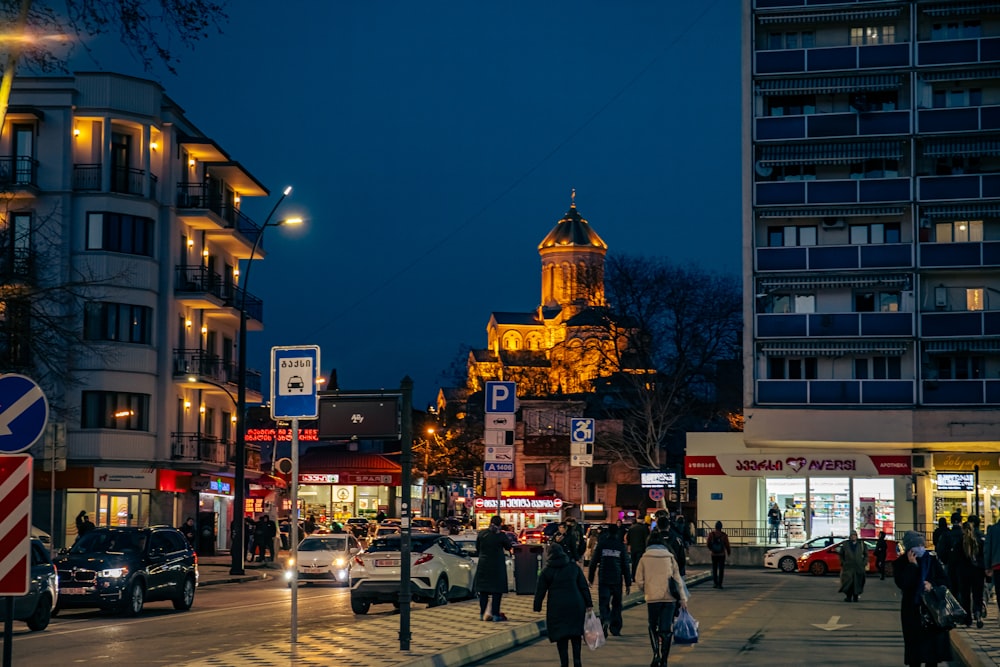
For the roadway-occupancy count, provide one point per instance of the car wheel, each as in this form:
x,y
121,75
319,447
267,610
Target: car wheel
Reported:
x,y
818,568
440,593
132,606
360,607
39,619
186,599
787,564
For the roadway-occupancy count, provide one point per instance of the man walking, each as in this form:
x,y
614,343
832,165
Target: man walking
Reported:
x,y
612,560
636,537
718,546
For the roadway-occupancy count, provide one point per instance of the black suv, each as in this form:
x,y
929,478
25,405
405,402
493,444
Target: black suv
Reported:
x,y
358,525
122,568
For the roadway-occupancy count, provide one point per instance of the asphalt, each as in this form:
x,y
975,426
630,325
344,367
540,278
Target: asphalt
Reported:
x,y
471,640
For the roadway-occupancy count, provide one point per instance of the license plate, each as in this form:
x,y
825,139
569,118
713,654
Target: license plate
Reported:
x,y
387,562
72,591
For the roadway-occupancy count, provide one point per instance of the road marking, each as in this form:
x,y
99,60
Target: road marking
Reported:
x,y
832,624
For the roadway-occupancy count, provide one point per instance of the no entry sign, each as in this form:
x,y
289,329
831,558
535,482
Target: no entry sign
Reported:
x,y
15,524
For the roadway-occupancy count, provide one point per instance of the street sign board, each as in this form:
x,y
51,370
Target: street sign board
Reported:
x,y
501,453
586,448
293,382
581,430
498,470
24,411
345,416
501,397
499,421
498,438
582,460
15,531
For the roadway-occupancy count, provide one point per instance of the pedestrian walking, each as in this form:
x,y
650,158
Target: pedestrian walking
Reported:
x,y
919,570
569,601
593,536
577,531
565,537
83,524
991,558
491,572
309,525
950,553
971,574
853,564
718,546
774,523
656,570
189,531
940,535
881,549
636,537
611,563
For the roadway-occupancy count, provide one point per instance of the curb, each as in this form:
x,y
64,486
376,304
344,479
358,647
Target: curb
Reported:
x,y
965,651
235,579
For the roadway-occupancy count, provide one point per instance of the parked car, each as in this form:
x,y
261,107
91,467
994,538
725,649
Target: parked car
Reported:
x,y
386,531
35,607
467,543
358,526
423,525
42,536
786,559
123,568
450,525
324,558
821,561
531,536
439,571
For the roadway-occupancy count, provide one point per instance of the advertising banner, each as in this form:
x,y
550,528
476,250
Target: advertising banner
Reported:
x,y
804,464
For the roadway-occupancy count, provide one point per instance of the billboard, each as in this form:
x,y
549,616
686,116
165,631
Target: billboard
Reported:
x,y
658,479
348,417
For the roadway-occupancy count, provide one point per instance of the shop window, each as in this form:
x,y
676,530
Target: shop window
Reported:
x,y
874,507
783,368
791,235
878,368
959,231
878,232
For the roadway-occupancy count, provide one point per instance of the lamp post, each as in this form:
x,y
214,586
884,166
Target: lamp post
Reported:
x,y
238,548
427,451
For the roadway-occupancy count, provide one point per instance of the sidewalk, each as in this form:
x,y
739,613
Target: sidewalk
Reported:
x,y
214,570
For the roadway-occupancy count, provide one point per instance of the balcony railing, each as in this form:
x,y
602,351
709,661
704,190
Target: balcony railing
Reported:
x,y
124,180
824,125
835,191
203,365
959,119
960,323
963,186
961,392
199,448
17,264
199,280
959,51
807,258
836,392
828,325
197,196
971,254
831,59
18,171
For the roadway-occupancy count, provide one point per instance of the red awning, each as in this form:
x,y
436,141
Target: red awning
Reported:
x,y
352,468
266,481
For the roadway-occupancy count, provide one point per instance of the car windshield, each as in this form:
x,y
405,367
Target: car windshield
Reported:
x,y
109,540
468,547
392,543
325,544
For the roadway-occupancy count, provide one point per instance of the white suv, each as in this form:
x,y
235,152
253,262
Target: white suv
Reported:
x,y
439,571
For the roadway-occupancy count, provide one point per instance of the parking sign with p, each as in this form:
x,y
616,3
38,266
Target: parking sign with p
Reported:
x,y
501,397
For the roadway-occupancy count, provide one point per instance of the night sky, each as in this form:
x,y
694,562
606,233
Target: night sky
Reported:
x,y
432,145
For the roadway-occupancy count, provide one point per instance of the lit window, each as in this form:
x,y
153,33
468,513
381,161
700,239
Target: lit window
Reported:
x,y
974,298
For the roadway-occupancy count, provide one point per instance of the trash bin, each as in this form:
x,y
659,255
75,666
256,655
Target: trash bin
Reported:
x,y
527,566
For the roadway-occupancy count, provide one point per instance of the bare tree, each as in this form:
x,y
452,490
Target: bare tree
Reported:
x,y
41,34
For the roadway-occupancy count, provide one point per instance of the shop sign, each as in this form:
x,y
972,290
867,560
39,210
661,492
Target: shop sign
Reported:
x,y
199,483
280,435
812,464
313,478
956,481
538,504
124,478
343,494
220,486
367,479
966,462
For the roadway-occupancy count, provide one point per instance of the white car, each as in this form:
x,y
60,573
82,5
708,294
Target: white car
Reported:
x,y
468,545
325,557
439,571
786,559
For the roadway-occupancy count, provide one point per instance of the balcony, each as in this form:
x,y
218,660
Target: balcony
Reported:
x,y
960,323
201,365
839,191
833,325
200,288
832,59
815,126
961,392
807,258
199,449
959,119
960,255
202,209
962,186
17,265
124,180
835,392
18,173
959,51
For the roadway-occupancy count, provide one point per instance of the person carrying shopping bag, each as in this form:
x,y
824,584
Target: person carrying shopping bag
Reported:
x,y
656,574
569,602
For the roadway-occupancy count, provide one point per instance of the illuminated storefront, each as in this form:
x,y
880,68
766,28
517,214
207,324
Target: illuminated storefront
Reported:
x,y
335,485
519,509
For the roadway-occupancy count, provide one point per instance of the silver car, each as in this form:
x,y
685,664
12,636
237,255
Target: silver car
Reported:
x,y
35,607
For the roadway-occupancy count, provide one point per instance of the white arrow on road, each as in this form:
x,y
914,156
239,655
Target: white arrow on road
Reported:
x,y
832,624
14,410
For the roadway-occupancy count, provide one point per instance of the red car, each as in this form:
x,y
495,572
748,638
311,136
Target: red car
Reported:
x,y
821,561
532,536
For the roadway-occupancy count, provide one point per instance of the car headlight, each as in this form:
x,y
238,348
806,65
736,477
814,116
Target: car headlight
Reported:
x,y
340,562
288,575
291,562
114,572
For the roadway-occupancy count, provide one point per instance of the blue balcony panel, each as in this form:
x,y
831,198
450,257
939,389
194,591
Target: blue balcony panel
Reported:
x,y
833,125
885,122
886,255
833,324
949,254
953,392
951,324
993,391
884,189
781,193
990,117
794,392
827,59
991,323
832,192
948,52
781,127
948,187
835,391
882,392
948,120
886,324
991,253
884,55
777,62
781,325
991,185
781,259
833,257
989,49
768,4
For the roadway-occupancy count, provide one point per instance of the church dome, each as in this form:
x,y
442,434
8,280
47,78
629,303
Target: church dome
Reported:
x,y
572,230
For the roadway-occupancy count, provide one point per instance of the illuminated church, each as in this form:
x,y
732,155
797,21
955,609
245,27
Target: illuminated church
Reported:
x,y
568,341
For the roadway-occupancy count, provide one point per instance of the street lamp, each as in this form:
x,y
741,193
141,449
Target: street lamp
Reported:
x,y
238,548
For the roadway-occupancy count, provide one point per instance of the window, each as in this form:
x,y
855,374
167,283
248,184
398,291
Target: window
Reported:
x,y
791,303
945,98
782,368
878,167
117,410
793,172
875,233
878,368
791,105
209,421
875,100
959,231
974,298
956,30
791,40
960,367
791,236
120,322
877,302
957,164
120,232
884,34
535,475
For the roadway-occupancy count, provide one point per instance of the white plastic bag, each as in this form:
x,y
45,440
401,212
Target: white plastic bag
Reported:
x,y
593,632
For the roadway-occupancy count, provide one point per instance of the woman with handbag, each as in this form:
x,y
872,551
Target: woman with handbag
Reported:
x,y
656,572
569,602
917,571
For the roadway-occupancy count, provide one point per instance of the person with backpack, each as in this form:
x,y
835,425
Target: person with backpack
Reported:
x,y
950,553
718,546
971,575
610,562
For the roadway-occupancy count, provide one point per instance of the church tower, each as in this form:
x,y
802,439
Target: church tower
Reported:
x,y
572,267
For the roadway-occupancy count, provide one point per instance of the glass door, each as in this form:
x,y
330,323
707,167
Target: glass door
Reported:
x,y
116,509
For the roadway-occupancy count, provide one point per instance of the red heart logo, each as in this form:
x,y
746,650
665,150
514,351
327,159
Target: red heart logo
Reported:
x,y
796,464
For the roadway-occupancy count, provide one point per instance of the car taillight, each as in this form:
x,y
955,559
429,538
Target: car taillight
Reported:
x,y
423,559
357,559
195,558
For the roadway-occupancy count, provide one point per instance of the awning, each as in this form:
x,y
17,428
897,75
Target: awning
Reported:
x,y
946,147
977,345
961,8
350,468
963,211
828,153
811,281
960,75
827,85
827,17
888,348
848,212
266,481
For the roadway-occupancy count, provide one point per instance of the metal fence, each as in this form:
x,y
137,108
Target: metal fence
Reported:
x,y
761,533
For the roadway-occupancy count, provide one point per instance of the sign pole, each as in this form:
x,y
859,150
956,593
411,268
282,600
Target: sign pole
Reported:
x,y
8,632
406,461
294,530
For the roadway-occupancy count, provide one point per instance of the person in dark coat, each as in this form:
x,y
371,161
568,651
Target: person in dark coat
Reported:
x,y
718,546
919,570
83,524
569,602
491,573
565,537
189,531
881,551
612,558
636,537
853,564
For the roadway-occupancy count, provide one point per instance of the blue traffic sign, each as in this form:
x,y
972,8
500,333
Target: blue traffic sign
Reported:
x,y
294,370
24,411
501,397
493,466
581,430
